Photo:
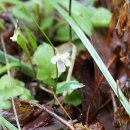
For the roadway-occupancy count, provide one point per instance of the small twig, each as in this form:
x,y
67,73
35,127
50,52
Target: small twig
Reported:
x,y
74,51
114,105
104,104
114,57
10,82
56,81
56,99
117,82
45,89
100,80
102,76
52,114
114,102
88,114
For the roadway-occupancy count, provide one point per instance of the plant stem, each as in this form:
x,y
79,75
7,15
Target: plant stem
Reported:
x,y
70,30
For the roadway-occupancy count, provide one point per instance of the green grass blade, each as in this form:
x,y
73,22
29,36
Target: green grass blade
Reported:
x,y
8,66
93,53
30,37
24,68
22,42
7,124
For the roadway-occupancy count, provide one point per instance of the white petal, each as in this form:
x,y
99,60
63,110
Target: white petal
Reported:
x,y
54,59
15,36
64,55
67,62
61,66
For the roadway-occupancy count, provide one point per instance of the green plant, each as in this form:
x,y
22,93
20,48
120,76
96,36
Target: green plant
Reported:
x,y
69,86
73,96
83,21
31,38
17,89
46,71
93,53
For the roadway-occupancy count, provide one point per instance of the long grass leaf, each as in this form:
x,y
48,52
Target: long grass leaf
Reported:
x,y
8,66
7,124
24,68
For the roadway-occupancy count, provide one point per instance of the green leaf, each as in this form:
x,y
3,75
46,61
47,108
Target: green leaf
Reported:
x,y
26,95
10,92
17,88
85,23
5,104
22,42
2,7
68,86
47,22
80,46
100,17
94,54
46,71
30,37
4,82
73,98
47,8
21,14
2,27
62,33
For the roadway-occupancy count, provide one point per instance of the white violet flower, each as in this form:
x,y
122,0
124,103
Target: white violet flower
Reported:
x,y
62,61
15,36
